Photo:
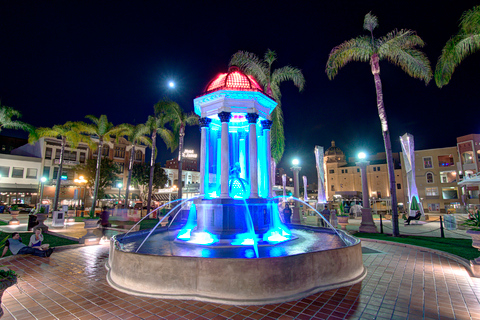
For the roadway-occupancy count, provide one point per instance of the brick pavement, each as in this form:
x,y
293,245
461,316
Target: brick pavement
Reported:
x,y
402,283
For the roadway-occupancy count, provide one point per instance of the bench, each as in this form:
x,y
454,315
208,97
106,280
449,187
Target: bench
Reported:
x,y
415,219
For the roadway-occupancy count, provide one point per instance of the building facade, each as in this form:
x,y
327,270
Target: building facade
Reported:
x,y
436,176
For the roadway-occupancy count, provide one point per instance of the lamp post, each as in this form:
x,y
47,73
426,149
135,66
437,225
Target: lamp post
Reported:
x,y
119,186
81,180
296,210
42,183
367,224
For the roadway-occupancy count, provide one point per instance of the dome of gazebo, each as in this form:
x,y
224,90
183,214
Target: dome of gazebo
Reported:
x,y
234,79
334,150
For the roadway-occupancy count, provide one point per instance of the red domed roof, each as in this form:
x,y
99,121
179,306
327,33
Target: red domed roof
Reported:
x,y
234,79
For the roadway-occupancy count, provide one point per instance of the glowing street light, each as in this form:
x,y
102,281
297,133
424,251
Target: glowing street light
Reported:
x,y
171,84
296,193
42,182
119,186
362,155
295,162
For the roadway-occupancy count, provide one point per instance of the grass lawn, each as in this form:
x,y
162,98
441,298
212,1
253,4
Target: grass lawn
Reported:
x,y
459,247
52,240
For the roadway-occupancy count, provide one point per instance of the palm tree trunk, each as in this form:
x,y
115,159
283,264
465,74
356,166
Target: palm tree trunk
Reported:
x,y
374,62
59,176
152,167
180,161
97,176
129,179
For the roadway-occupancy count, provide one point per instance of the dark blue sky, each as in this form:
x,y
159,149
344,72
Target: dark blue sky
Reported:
x,y
62,60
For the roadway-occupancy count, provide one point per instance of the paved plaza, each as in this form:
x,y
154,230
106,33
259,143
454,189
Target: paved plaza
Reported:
x,y
403,282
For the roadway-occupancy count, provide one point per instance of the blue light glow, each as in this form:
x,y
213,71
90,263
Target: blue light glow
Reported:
x,y
204,238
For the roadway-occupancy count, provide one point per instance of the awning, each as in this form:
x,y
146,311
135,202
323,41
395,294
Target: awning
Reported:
x,y
165,196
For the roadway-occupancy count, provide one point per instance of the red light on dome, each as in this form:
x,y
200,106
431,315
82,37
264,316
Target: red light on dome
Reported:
x,y
234,80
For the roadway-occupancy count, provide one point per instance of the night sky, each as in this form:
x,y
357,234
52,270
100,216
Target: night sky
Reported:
x,y
62,60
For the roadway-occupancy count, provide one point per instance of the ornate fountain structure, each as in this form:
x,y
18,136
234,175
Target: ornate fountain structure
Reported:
x,y
233,247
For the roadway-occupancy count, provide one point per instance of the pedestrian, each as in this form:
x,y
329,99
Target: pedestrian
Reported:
x,y
17,247
326,215
287,213
104,216
36,240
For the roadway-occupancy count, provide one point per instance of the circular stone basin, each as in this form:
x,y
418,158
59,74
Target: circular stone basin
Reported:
x,y
318,259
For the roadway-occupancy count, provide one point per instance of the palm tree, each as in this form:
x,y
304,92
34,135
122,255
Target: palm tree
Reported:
x,y
136,135
69,135
6,121
103,131
464,43
261,70
180,120
156,125
398,47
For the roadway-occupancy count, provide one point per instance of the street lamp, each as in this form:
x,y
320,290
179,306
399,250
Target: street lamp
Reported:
x,y
296,169
367,224
42,182
119,186
171,84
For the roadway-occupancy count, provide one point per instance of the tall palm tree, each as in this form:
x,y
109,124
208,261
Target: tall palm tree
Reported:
x,y
398,47
103,131
179,120
136,135
156,126
69,135
270,79
6,121
463,44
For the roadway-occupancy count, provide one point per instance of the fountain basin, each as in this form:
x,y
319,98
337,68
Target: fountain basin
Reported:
x,y
283,272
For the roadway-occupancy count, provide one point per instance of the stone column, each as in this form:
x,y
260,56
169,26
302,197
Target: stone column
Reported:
x,y
267,124
296,194
252,139
242,136
225,161
367,224
204,124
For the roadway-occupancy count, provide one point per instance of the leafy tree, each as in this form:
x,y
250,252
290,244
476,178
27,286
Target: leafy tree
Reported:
x,y
108,174
141,179
69,135
136,135
179,121
156,125
460,46
100,132
398,47
261,70
6,121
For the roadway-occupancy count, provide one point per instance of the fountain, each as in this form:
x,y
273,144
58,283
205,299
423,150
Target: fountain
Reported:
x,y
233,247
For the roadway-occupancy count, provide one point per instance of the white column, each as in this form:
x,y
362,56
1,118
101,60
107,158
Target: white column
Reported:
x,y
252,139
225,161
267,124
242,152
367,225
204,123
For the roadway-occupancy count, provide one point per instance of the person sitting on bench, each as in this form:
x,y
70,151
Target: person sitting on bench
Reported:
x,y
416,217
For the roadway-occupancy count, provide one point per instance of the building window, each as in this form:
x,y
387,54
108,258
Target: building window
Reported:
x,y
427,162
55,173
429,176
70,155
82,157
138,155
399,186
358,169
48,153
431,192
4,172
332,188
17,172
106,151
448,176
331,171
121,167
445,161
434,207
46,172
31,173
449,193
57,153
467,157
374,168
119,152
378,168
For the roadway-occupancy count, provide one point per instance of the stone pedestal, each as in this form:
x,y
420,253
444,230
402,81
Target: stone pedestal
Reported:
x,y
367,224
296,214
90,238
41,217
14,220
343,222
475,264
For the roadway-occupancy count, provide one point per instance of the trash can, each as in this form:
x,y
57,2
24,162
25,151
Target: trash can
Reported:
x,y
32,221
